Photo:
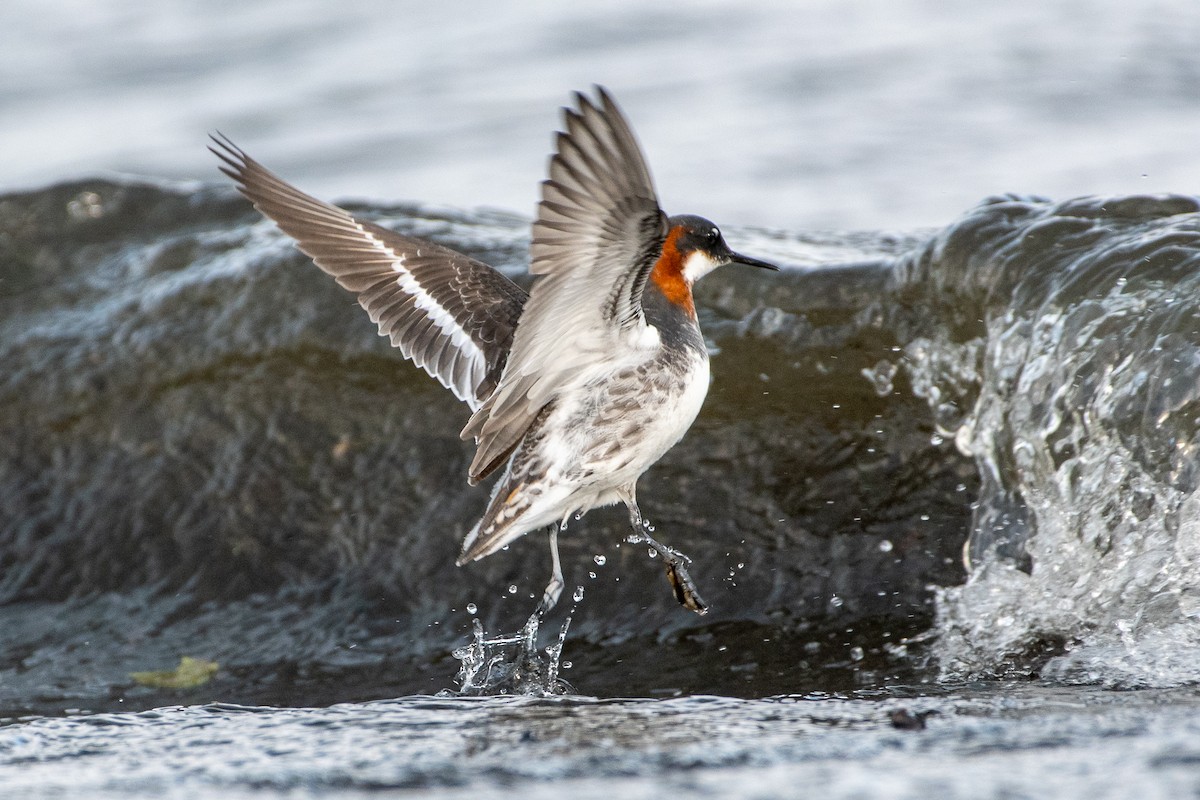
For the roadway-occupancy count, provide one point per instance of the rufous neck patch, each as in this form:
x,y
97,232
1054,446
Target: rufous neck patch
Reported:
x,y
668,274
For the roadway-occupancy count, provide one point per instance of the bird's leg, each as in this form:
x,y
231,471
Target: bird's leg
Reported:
x,y
555,587
675,562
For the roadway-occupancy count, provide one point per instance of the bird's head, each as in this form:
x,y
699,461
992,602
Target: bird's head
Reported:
x,y
701,248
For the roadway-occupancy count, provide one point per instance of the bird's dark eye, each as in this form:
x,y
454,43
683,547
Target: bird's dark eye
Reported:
x,y
714,235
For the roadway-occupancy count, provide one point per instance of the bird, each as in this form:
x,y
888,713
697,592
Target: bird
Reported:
x,y
575,388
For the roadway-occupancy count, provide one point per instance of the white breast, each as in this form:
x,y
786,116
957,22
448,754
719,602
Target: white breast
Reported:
x,y
693,396
666,424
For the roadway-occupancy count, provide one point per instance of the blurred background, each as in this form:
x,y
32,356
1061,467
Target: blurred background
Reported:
x,y
883,114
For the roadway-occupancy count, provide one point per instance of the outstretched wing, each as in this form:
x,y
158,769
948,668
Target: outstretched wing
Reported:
x,y
598,233
452,315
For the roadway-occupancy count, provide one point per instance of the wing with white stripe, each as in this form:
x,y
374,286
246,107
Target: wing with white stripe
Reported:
x,y
452,315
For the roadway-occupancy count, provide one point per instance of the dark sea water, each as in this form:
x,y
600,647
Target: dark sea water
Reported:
x,y
943,496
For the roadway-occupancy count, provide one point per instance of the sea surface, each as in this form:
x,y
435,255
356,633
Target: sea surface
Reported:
x,y
942,499
990,741
875,115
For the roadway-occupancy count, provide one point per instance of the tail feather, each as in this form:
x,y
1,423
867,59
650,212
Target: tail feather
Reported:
x,y
504,521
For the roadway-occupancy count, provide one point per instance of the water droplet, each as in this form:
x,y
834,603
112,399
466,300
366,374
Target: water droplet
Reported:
x,y
741,565
578,516
924,518
472,608
650,551
936,440
600,560
856,654
578,594
881,377
836,601
566,665
512,588
592,575
885,546
86,205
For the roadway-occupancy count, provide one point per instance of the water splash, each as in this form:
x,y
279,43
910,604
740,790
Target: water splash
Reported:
x,y
881,377
1066,362
511,664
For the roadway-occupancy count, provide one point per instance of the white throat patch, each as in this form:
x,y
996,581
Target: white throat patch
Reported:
x,y
698,265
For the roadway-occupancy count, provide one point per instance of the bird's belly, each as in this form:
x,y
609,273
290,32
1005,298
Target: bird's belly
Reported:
x,y
615,430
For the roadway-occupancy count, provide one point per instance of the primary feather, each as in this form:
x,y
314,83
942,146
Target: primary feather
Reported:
x,y
452,315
